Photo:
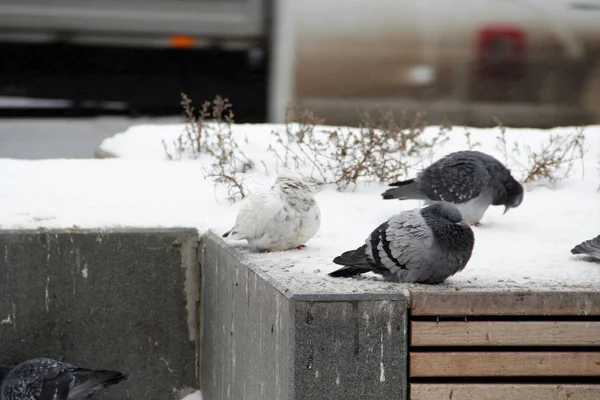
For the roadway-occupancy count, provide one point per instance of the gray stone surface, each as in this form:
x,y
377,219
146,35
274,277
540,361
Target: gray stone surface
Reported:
x,y
350,349
265,336
119,299
246,330
42,138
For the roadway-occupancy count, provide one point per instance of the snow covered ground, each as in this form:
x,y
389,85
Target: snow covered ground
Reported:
x,y
525,248
193,396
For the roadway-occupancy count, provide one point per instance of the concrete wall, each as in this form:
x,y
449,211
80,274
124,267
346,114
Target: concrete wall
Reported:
x,y
267,337
120,299
130,300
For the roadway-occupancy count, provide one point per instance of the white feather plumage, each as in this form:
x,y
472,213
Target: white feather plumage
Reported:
x,y
284,218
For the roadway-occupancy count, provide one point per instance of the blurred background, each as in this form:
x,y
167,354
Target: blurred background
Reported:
x,y
94,67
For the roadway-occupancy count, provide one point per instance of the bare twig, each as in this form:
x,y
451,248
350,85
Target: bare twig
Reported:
x,y
556,158
554,161
209,132
382,149
470,144
501,141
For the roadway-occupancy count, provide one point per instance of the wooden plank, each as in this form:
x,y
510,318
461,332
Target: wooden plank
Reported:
x,y
505,333
462,303
475,364
503,392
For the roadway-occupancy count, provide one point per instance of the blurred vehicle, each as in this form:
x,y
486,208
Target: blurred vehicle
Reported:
x,y
525,62
134,56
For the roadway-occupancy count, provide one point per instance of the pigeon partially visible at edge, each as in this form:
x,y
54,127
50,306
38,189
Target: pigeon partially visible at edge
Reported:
x,y
426,245
283,218
4,370
471,180
589,247
48,379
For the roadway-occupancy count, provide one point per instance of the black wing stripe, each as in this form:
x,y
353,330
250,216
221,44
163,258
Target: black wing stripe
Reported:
x,y
386,247
375,243
56,387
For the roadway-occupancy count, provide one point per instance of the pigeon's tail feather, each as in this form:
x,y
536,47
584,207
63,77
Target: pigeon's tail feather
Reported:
x,y
404,190
403,183
590,247
232,234
348,271
355,262
89,382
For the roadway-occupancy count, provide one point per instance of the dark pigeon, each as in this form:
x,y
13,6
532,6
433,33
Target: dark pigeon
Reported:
x,y
589,247
425,245
48,379
471,180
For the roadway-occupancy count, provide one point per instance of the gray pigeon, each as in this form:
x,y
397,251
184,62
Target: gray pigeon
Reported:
x,y
48,379
425,245
471,180
589,247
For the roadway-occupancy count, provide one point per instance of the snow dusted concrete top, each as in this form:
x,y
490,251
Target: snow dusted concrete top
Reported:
x,y
526,249
455,297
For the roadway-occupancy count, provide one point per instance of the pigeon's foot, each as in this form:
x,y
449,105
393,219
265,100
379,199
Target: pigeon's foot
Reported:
x,y
477,224
302,246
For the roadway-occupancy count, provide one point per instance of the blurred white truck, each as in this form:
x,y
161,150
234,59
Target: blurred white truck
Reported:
x,y
527,62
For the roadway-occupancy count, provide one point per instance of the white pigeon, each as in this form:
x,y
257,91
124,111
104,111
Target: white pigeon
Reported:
x,y
283,218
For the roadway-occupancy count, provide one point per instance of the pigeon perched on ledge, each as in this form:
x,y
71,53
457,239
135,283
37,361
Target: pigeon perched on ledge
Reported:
x,y
284,218
48,379
589,247
471,180
425,245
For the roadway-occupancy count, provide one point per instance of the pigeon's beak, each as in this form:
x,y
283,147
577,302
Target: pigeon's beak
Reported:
x,y
506,208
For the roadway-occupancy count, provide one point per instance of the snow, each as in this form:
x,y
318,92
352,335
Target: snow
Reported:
x,y
526,248
197,395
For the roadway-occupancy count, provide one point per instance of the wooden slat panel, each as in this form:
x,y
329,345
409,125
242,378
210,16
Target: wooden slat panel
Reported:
x,y
449,364
503,392
505,333
461,303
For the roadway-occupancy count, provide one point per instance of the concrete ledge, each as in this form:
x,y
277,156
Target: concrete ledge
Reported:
x,y
270,334
275,336
120,299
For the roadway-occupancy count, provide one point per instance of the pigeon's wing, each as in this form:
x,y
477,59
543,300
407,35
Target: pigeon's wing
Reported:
x,y
56,386
456,178
402,243
87,382
590,247
255,214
